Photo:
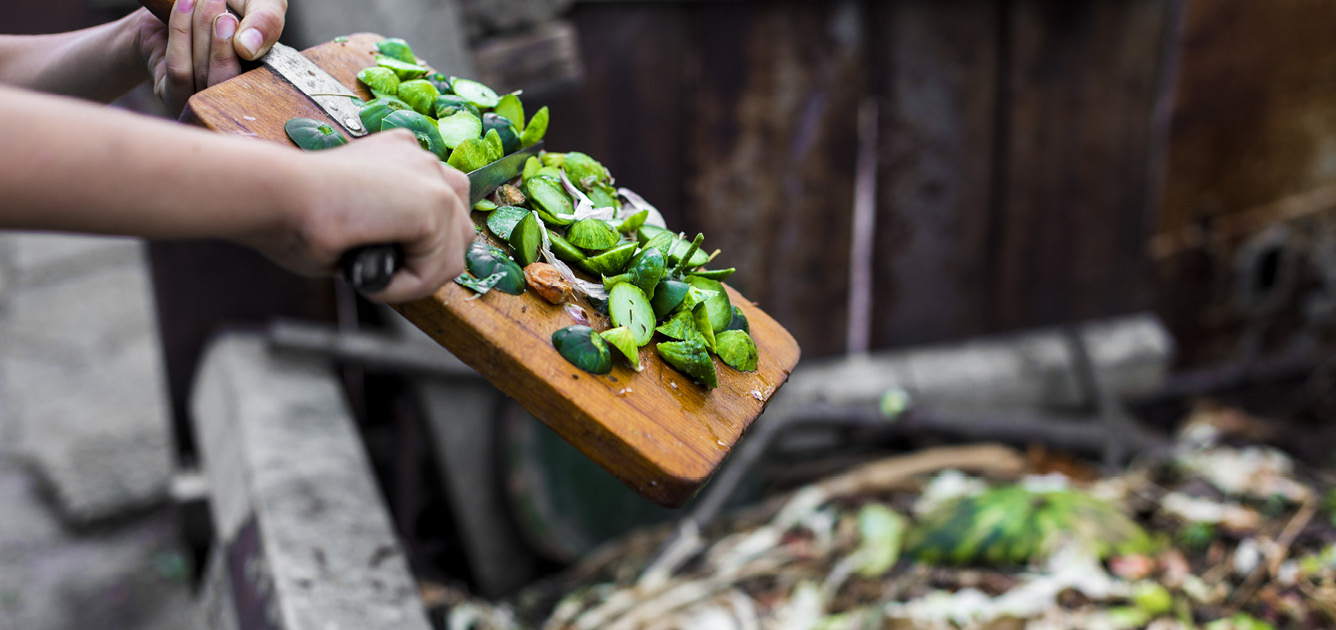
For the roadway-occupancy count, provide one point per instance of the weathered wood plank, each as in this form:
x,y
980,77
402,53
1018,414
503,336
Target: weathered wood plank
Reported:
x,y
1080,83
772,99
936,68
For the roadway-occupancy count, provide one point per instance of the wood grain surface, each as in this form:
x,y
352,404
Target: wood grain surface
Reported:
x,y
656,430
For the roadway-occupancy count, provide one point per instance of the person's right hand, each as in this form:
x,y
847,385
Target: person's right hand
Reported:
x,y
379,189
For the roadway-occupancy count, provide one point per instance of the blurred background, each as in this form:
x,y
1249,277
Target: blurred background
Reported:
x,y
1147,186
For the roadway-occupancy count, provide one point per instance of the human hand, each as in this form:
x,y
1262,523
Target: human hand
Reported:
x,y
201,44
380,189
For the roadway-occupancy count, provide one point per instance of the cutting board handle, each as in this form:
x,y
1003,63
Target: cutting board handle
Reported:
x,y
161,9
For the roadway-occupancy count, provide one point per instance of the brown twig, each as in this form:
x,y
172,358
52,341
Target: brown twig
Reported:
x,y
1248,589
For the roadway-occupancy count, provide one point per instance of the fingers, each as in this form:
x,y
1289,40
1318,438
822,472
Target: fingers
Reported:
x,y
260,28
202,36
178,80
223,61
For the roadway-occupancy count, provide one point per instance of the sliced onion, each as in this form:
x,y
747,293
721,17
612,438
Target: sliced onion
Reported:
x,y
638,203
584,208
590,289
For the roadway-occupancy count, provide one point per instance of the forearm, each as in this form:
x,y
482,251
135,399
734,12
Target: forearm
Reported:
x,y
69,166
99,63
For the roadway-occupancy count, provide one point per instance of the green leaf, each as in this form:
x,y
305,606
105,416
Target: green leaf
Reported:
x,y
480,286
420,95
458,128
313,135
536,129
583,348
882,530
381,81
405,71
428,136
396,48
475,92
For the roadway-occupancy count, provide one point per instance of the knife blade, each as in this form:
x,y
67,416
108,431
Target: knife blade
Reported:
x,y
370,269
323,90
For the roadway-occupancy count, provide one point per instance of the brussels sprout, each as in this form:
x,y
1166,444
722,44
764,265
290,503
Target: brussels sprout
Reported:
x,y
610,262
736,349
701,318
396,48
527,239
495,149
536,129
585,171
691,358
441,82
513,110
405,71
420,95
628,306
584,348
624,341
421,126
550,198
739,321
563,249
510,141
458,128
374,112
721,309
469,156
668,295
483,260
313,135
448,105
503,220
680,326
381,81
475,92
592,235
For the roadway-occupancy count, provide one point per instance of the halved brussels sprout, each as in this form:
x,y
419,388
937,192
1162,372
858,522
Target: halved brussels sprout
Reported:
x,y
584,348
405,71
680,326
691,358
503,220
668,295
495,149
644,271
592,235
381,81
739,321
428,136
374,112
628,306
475,92
549,197
632,223
396,48
720,308
469,156
563,249
700,316
536,129
513,110
459,127
485,205
611,262
736,349
483,260
314,135
441,82
510,141
527,239
585,171
624,341
448,105
713,274
420,95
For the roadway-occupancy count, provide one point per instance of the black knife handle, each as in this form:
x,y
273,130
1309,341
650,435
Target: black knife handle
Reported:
x,y
369,269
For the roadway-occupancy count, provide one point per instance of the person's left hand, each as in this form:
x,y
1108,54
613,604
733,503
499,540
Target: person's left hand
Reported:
x,y
202,44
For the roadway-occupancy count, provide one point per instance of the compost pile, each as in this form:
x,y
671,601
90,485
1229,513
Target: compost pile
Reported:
x,y
1218,535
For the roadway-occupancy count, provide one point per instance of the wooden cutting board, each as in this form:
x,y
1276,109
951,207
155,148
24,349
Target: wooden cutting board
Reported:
x,y
656,430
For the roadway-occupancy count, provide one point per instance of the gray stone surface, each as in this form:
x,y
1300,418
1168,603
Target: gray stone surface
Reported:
x,y
83,439
433,27
279,448
80,370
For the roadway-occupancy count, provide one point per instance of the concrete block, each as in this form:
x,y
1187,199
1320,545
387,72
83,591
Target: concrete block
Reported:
x,y
307,539
433,27
40,257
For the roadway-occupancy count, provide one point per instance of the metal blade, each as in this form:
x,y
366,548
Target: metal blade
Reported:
x,y
324,90
486,179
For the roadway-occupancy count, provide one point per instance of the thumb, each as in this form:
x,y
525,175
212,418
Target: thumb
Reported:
x,y
261,23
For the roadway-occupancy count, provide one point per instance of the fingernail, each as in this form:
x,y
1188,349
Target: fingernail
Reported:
x,y
185,6
251,40
225,26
